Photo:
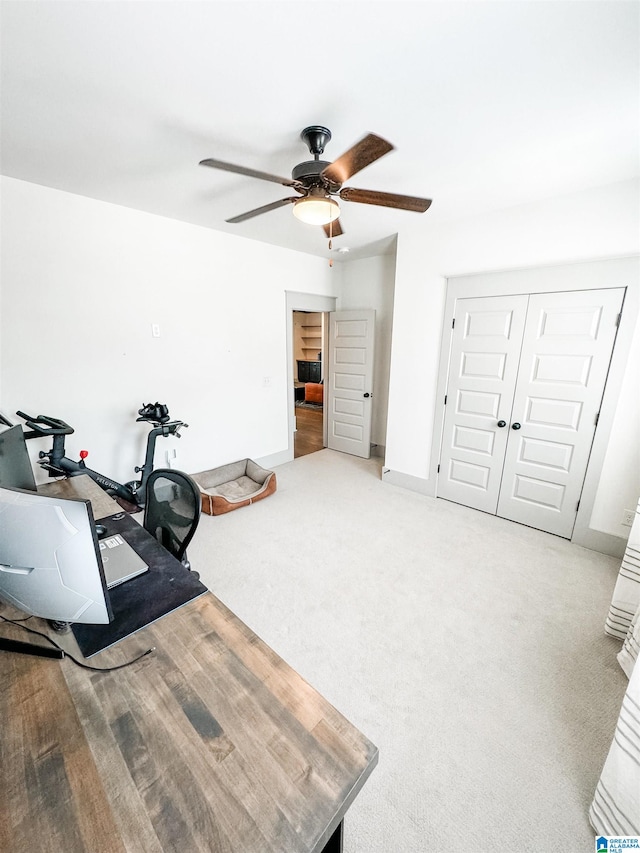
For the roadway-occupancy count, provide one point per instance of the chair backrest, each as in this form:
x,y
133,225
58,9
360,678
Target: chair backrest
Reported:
x,y
172,509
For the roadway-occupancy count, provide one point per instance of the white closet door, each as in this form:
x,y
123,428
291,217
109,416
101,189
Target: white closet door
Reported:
x,y
566,350
487,338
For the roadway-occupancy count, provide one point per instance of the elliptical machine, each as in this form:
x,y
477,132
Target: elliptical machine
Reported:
x,y
57,464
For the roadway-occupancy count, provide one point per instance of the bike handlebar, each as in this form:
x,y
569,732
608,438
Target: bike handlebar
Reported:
x,y
54,426
171,428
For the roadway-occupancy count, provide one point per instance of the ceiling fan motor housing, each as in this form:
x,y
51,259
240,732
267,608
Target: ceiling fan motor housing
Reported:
x,y
309,174
309,171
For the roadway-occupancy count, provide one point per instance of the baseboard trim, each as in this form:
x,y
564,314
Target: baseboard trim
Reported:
x,y
596,540
275,459
408,481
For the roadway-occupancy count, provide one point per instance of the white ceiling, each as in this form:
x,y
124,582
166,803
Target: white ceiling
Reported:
x,y
489,104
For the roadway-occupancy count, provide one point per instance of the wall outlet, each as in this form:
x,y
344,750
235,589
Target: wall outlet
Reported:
x,y
628,516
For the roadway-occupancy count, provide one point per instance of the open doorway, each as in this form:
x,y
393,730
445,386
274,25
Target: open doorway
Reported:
x,y
306,303
308,381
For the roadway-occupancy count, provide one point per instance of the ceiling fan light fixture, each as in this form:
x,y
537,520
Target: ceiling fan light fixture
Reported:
x,y
316,210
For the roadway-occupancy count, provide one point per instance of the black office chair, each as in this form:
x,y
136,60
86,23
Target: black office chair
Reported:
x,y
172,510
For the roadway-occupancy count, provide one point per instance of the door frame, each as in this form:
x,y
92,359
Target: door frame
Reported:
x,y
554,278
297,301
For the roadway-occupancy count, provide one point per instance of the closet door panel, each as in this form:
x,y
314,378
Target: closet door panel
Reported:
x,y
485,350
566,349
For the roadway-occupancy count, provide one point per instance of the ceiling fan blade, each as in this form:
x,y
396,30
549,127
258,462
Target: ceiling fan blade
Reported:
x,y
333,229
401,202
369,149
264,209
250,173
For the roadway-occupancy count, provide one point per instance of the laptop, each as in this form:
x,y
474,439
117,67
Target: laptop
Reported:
x,y
120,561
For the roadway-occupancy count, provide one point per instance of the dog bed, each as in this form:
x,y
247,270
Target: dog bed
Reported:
x,y
234,485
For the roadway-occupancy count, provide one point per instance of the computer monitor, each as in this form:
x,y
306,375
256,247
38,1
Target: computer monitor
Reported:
x,y
50,562
16,471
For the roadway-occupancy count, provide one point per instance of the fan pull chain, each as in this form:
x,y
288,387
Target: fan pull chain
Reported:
x,y
330,241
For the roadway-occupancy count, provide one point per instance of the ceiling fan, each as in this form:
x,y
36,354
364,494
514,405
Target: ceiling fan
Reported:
x,y
316,181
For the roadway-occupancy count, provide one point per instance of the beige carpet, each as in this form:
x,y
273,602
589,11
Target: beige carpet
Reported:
x,y
469,649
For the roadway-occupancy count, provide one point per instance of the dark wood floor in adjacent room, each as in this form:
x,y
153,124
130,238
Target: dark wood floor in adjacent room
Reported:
x,y
308,435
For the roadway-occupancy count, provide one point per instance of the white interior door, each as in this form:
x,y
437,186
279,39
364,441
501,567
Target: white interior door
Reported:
x,y
526,380
566,350
350,381
485,351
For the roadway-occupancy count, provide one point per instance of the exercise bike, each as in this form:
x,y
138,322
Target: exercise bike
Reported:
x,y
57,464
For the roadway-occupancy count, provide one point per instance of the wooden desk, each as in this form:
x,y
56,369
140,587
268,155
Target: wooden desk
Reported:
x,y
82,486
212,743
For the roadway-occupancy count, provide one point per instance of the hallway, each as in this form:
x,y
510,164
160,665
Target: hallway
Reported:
x,y
308,435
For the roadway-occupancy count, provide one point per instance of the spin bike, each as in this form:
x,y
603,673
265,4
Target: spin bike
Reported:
x,y
57,464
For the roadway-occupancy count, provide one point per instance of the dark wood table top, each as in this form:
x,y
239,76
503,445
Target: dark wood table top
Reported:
x,y
84,487
212,743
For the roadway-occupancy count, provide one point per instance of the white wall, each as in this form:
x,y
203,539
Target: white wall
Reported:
x,y
621,468
369,283
82,282
598,223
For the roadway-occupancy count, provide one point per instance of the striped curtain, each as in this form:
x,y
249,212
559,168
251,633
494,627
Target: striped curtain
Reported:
x,y
626,594
615,809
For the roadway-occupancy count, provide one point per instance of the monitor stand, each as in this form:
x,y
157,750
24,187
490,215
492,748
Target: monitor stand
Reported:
x,y
58,626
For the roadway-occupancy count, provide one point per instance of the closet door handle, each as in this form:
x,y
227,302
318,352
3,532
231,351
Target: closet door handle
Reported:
x,y
516,425
502,423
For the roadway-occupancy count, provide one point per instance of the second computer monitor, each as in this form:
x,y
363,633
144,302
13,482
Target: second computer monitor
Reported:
x,y
16,471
